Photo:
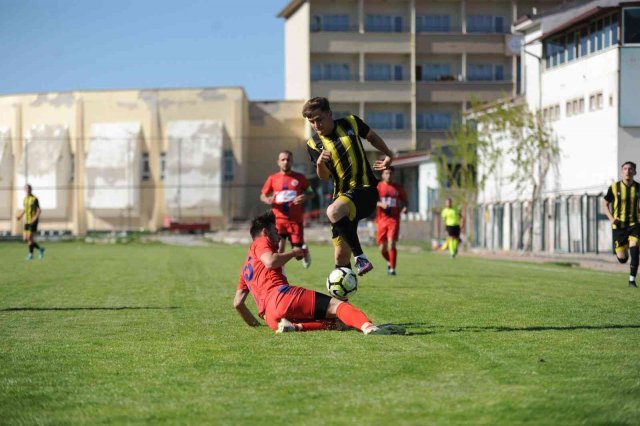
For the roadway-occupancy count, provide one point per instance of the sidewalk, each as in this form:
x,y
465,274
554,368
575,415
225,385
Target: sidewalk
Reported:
x,y
601,262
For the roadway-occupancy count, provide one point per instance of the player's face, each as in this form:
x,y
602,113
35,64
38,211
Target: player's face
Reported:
x,y
284,162
387,176
27,190
628,172
447,203
321,122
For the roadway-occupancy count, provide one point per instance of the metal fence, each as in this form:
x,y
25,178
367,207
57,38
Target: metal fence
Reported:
x,y
562,224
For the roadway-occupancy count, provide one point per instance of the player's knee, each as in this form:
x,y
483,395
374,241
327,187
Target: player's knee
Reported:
x,y
622,259
334,213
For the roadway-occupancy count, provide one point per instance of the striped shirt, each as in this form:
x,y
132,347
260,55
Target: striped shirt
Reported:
x,y
348,165
625,202
31,206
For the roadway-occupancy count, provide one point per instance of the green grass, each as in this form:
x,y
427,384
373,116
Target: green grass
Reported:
x,y
139,333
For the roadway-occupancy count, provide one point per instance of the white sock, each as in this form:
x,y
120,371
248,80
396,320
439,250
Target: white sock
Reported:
x,y
362,256
632,278
366,326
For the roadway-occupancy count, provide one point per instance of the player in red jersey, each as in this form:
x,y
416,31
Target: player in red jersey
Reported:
x,y
286,192
392,200
285,307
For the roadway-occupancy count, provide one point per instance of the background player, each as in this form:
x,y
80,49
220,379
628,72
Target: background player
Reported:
x,y
284,307
337,152
286,192
392,200
31,212
454,222
623,197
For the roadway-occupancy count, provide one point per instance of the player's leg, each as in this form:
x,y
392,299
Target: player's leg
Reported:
x,y
393,235
381,239
342,214
342,252
26,237
34,244
355,318
297,240
620,245
634,252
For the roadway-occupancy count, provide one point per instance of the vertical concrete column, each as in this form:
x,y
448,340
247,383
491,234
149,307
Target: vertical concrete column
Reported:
x,y
463,66
362,66
361,16
361,110
17,147
463,16
412,16
155,147
79,226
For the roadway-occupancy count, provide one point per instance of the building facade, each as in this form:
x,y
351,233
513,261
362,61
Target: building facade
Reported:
x,y
140,159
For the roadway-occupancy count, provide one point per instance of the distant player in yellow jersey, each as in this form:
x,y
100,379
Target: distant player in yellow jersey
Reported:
x,y
31,213
337,152
621,207
454,222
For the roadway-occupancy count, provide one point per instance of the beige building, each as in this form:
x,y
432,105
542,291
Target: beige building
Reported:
x,y
140,159
409,68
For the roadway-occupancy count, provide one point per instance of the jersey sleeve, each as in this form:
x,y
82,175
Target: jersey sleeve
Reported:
x,y
267,188
314,153
36,204
304,184
609,197
363,129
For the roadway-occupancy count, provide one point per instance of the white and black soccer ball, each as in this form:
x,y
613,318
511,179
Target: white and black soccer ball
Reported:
x,y
342,283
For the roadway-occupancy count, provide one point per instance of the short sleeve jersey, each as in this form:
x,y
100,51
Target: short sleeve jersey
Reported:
x,y
451,216
285,188
348,165
624,200
259,280
393,195
31,206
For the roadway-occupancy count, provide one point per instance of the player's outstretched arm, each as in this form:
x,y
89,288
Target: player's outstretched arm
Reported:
x,y
379,144
241,308
276,260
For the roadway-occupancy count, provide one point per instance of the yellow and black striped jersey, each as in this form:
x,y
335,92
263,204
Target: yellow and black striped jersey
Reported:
x,y
625,202
31,206
349,165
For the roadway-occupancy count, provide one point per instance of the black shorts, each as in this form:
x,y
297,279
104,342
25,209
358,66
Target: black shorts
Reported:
x,y
454,231
621,236
31,227
365,199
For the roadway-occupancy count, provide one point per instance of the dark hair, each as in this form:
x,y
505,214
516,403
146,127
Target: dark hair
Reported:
x,y
286,151
315,104
631,163
391,168
264,221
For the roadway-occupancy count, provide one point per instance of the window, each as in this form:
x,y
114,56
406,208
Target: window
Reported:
x,y
607,31
581,105
433,23
631,25
228,163
592,37
485,24
434,120
384,72
599,35
584,42
386,120
610,100
435,72
163,165
331,71
572,45
614,29
330,23
384,23
146,170
599,101
569,109
485,72
596,102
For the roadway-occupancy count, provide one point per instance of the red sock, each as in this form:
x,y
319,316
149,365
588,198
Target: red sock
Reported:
x,y
315,325
385,254
393,255
351,316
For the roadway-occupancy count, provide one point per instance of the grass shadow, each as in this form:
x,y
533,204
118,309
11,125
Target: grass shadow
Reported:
x,y
87,308
440,329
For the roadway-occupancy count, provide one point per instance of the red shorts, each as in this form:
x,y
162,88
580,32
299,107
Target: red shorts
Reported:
x,y
388,229
293,230
296,304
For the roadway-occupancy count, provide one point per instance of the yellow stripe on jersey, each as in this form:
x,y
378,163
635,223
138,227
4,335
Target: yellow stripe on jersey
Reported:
x,y
353,161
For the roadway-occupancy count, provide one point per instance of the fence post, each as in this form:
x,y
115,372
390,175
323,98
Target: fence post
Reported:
x,y
568,224
597,227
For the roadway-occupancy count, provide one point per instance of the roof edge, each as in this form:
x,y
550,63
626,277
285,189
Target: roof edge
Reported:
x,y
290,8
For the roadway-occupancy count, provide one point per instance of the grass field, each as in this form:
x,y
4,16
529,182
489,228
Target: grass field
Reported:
x,y
147,334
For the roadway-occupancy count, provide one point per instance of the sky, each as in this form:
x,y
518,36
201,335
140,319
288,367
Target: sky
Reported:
x,y
62,45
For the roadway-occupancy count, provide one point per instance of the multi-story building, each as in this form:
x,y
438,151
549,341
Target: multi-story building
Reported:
x,y
409,68
581,71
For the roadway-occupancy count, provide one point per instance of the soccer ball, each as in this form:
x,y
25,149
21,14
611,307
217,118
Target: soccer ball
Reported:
x,y
342,283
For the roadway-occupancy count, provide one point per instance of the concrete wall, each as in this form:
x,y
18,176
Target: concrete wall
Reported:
x,y
296,54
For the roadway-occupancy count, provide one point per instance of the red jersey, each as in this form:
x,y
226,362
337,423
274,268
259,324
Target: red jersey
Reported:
x,y
285,188
255,277
391,194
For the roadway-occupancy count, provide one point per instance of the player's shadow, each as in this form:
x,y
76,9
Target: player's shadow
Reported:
x,y
425,329
87,308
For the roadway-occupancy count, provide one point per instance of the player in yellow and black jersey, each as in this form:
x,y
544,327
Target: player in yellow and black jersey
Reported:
x,y
31,213
337,153
621,207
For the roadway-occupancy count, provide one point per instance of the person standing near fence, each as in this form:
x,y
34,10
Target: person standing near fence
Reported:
x,y
391,202
622,197
454,222
286,192
31,213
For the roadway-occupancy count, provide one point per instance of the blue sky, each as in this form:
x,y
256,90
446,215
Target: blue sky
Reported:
x,y
59,45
